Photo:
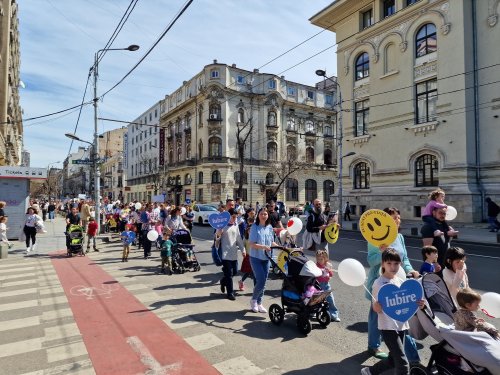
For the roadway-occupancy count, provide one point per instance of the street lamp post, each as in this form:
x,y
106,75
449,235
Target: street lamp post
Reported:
x,y
97,174
339,137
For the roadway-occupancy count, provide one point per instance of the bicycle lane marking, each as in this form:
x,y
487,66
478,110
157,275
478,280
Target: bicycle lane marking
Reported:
x,y
121,335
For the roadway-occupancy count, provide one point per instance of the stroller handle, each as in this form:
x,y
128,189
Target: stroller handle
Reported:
x,y
288,250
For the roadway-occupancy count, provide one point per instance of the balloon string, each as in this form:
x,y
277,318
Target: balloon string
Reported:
x,y
487,313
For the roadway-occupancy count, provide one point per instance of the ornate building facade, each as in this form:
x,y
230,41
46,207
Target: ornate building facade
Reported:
x,y
419,78
11,126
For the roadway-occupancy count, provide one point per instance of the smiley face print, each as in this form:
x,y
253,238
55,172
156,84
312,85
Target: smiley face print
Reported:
x,y
332,233
378,227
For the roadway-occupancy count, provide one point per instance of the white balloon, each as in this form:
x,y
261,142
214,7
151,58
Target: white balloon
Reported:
x,y
352,272
183,210
401,274
109,207
451,213
490,302
294,226
152,235
138,206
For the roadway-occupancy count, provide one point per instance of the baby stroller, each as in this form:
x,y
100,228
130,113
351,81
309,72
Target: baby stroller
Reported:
x,y
75,235
300,274
285,240
183,256
457,352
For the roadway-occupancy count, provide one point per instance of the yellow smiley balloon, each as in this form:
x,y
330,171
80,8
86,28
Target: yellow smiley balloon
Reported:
x,y
378,227
332,233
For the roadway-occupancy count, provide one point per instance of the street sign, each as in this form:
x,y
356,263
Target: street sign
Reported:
x,y
82,161
188,201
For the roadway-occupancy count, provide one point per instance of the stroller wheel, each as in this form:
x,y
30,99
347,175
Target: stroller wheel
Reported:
x,y
419,369
197,268
324,317
303,324
276,314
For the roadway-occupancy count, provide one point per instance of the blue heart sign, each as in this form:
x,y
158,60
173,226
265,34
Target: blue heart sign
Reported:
x,y
219,220
400,303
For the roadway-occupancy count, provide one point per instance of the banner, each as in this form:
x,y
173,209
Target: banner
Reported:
x,y
161,157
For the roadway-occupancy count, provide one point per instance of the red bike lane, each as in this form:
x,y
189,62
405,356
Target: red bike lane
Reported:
x,y
122,336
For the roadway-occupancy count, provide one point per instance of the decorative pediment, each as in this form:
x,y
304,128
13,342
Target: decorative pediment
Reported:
x,y
272,100
214,93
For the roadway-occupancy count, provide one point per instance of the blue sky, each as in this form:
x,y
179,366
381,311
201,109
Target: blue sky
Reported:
x,y
59,39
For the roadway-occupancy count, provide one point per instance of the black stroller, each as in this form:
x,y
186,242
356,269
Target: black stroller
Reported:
x,y
300,273
75,234
183,256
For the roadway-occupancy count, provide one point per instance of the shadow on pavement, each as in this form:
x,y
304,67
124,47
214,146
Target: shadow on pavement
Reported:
x,y
349,365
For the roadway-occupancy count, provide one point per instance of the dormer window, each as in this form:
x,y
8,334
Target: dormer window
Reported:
x,y
240,80
214,73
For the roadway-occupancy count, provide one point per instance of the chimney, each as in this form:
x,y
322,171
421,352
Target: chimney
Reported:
x,y
233,65
215,61
256,70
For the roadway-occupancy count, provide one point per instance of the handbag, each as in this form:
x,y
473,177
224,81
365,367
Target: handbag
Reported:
x,y
217,254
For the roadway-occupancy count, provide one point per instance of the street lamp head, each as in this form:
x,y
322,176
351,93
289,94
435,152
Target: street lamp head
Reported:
x,y
321,73
72,136
349,154
132,47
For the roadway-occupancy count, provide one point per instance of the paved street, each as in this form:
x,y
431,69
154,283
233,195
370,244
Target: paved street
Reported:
x,y
50,307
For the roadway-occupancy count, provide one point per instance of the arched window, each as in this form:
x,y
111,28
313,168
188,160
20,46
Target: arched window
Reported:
x,y
272,151
390,58
187,179
215,112
327,190
171,156
426,171
241,115
200,177
362,67
309,155
291,152
200,116
269,179
291,124
426,40
292,189
215,177
271,118
188,151
328,157
242,176
328,130
214,147
361,176
311,190
200,149
179,153
178,180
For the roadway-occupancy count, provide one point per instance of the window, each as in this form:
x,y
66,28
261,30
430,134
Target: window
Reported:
x,y
241,115
200,195
150,117
426,101
240,80
214,147
328,159
362,67
310,128
389,8
156,113
272,151
291,91
214,74
362,117
271,84
271,118
292,190
188,151
327,190
426,171
215,177
269,179
291,152
367,18
410,2
215,111
200,149
200,117
290,123
243,195
200,177
242,176
309,155
187,179
426,40
327,130
329,99
310,94
311,190
361,176
179,154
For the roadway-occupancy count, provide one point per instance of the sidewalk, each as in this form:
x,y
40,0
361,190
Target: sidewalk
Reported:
x,y
71,317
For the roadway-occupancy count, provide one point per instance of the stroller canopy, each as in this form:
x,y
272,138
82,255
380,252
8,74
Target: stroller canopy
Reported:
x,y
302,266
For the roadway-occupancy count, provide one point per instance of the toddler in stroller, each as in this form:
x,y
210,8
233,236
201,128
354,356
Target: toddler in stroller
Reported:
x,y
183,256
301,293
457,352
75,235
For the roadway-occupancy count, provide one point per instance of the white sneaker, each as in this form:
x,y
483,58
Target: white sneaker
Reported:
x,y
253,305
261,309
365,371
28,249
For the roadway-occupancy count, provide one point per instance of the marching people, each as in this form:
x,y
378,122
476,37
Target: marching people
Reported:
x,y
314,236
493,211
347,211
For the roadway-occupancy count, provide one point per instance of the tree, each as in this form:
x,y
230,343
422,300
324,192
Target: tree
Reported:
x,y
243,132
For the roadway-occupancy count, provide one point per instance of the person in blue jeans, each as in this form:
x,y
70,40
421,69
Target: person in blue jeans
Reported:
x,y
261,239
374,259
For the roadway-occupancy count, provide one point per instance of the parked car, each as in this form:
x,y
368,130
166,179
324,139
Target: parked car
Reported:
x,y
297,210
202,212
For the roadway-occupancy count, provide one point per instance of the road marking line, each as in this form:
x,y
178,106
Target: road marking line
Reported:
x,y
66,351
17,283
18,305
17,292
105,290
7,325
20,347
85,368
204,341
50,301
19,276
56,314
237,366
61,332
19,269
155,368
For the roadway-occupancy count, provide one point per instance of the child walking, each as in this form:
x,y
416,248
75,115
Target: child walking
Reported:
x,y
324,281
430,265
166,253
3,231
393,332
127,239
91,233
466,320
